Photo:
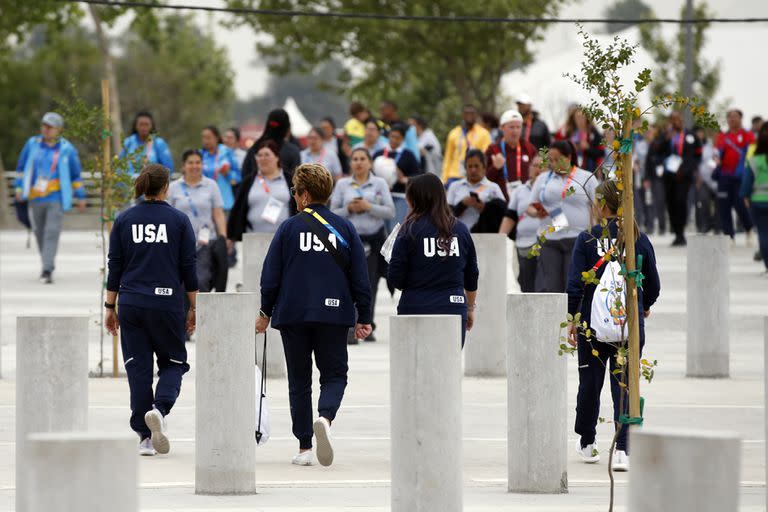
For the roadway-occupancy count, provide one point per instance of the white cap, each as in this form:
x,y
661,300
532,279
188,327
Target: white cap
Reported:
x,y
524,99
509,116
53,119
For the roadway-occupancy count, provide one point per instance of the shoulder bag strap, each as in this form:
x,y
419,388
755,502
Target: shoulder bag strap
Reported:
x,y
322,234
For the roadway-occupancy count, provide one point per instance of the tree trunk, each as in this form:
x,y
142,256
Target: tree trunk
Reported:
x,y
5,211
109,71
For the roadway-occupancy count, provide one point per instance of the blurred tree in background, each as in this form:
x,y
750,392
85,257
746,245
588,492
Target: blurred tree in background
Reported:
x,y
623,10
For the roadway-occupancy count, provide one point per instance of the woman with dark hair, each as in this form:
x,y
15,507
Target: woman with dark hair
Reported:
x,y
586,139
406,166
152,268
372,141
262,202
277,128
562,197
220,164
365,200
232,141
600,353
754,190
477,201
317,152
145,145
200,200
433,259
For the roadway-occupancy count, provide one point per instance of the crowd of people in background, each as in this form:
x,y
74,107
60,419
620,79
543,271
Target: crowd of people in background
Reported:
x,y
497,179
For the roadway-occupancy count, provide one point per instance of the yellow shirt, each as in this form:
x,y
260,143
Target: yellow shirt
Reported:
x,y
456,148
355,131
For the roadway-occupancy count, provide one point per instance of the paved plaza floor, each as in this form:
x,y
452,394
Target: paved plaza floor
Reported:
x,y
359,478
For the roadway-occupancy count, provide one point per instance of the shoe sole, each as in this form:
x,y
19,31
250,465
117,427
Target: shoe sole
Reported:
x,y
587,460
159,440
302,464
620,470
324,448
147,454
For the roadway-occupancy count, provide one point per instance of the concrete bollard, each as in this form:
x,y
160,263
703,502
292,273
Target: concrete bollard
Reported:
x,y
225,394
684,470
82,471
484,352
425,386
51,384
537,391
765,395
513,268
708,307
255,247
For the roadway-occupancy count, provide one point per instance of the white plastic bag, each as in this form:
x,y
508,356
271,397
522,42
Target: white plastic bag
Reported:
x,y
262,410
608,320
389,243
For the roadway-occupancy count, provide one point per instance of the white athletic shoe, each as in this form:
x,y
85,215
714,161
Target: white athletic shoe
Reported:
x,y
157,425
303,459
589,453
146,449
620,461
323,438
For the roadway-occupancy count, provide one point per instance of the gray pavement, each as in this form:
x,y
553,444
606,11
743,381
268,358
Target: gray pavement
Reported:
x,y
359,479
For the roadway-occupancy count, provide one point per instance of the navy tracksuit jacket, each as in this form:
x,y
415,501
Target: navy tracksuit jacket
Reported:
x,y
152,265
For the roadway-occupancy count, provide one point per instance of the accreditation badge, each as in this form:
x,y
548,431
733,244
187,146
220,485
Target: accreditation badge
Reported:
x,y
559,220
272,210
41,185
204,236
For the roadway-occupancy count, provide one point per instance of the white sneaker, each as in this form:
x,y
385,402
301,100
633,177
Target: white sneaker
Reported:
x,y
157,425
323,438
146,449
303,459
589,454
620,461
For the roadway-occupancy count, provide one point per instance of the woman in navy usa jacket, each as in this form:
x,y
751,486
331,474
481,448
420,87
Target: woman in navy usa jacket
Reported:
x,y
315,276
152,265
586,254
434,260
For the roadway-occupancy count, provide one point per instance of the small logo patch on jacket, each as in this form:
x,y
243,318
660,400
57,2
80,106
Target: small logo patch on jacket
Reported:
x,y
333,303
164,291
457,299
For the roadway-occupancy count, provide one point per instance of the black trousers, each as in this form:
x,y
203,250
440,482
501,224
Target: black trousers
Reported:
x,y
328,343
145,334
553,265
676,190
527,270
728,199
377,265
213,266
591,377
491,217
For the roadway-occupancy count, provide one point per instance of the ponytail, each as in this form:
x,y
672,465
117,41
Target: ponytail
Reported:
x,y
151,181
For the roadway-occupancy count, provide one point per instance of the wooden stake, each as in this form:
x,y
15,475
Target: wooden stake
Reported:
x,y
106,193
628,224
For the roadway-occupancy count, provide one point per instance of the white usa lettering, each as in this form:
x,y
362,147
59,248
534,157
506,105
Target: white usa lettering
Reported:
x,y
309,241
431,249
149,233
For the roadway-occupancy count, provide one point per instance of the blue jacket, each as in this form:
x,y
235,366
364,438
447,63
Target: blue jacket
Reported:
x,y
585,256
433,283
302,283
212,162
38,157
158,153
152,257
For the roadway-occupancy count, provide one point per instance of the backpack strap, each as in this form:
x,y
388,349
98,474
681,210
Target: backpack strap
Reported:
x,y
601,261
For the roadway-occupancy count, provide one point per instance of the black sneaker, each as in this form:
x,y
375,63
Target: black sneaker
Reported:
x,y
46,278
757,256
679,242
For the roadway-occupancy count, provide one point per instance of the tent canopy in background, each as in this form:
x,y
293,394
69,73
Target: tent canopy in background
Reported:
x,y
299,125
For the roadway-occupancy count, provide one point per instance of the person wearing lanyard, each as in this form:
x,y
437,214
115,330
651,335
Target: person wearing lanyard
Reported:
x,y
434,261
262,203
232,141
47,177
508,161
318,153
407,167
476,201
314,281
365,200
220,164
535,130
679,170
200,200
732,147
468,135
563,196
151,148
372,139
524,229
151,270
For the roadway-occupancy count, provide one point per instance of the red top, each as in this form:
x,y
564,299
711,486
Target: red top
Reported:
x,y
517,165
733,150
